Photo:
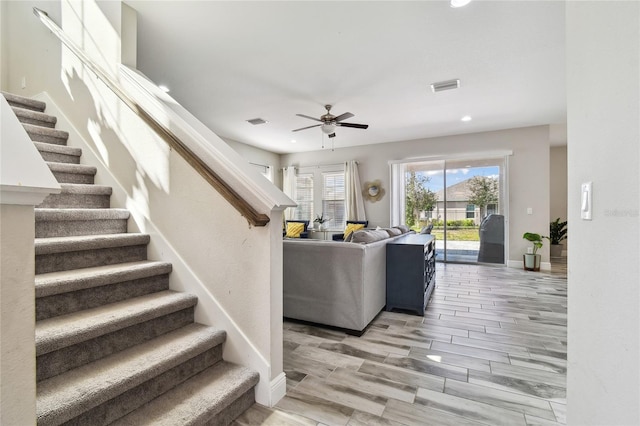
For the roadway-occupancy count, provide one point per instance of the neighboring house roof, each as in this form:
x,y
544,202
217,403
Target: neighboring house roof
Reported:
x,y
456,192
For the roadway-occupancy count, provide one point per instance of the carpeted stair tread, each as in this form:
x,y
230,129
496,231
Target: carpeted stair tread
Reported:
x,y
22,102
88,242
70,394
56,222
53,283
46,134
197,400
36,118
58,149
53,214
63,331
72,168
79,196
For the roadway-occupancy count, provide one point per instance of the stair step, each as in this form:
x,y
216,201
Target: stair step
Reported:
x,y
67,253
56,333
69,341
79,196
72,222
73,173
46,134
120,383
22,102
37,118
59,153
207,398
64,292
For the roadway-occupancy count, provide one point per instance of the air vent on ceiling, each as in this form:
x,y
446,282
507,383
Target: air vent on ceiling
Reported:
x,y
445,85
256,121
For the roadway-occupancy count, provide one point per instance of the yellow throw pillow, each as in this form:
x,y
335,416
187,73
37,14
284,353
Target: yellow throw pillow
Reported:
x,y
351,227
294,229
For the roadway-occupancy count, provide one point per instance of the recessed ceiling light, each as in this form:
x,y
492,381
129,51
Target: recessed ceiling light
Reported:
x,y
164,88
459,3
466,118
293,141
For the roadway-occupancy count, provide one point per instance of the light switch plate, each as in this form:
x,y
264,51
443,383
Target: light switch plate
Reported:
x,y
586,200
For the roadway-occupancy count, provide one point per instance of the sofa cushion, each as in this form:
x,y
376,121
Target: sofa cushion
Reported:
x,y
368,236
393,232
294,229
403,228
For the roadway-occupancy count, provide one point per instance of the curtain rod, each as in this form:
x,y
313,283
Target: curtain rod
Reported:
x,y
318,165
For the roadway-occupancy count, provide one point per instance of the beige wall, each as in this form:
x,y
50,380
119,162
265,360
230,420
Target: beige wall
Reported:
x,y
528,173
603,110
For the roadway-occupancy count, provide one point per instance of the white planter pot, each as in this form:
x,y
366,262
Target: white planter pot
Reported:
x,y
531,262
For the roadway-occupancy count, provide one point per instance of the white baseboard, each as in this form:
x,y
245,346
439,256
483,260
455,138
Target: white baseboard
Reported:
x,y
278,389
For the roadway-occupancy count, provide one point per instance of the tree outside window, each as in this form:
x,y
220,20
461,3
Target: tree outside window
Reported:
x,y
418,198
484,192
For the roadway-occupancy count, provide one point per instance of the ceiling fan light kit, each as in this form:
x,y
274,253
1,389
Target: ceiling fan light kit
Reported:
x,y
329,122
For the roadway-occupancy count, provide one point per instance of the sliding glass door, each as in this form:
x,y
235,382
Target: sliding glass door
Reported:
x,y
462,201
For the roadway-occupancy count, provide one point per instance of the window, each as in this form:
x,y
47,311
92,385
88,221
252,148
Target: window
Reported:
x,y
471,211
304,197
492,209
333,205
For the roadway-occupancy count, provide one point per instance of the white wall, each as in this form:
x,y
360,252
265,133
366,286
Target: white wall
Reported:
x,y
215,253
528,173
603,98
558,185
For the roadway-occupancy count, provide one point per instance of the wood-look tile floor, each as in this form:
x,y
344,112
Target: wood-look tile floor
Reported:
x,y
491,349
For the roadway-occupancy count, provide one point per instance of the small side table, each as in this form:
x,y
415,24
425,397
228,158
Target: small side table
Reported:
x,y
325,233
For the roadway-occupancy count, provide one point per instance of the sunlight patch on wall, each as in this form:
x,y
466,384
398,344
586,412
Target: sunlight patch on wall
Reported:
x,y
94,130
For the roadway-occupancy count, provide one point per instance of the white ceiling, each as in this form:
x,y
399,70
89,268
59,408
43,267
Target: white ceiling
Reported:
x,y
228,62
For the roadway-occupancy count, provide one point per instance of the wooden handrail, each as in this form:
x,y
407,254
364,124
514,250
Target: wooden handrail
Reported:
x,y
240,204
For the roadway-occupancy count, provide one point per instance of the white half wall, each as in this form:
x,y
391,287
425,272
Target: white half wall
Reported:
x,y
603,100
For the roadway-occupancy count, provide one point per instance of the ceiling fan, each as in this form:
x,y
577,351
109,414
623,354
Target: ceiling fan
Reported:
x,y
329,122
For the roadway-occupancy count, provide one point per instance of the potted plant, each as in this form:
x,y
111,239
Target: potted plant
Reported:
x,y
321,221
557,233
532,260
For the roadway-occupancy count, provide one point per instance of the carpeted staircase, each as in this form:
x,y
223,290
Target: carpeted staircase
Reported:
x,y
114,345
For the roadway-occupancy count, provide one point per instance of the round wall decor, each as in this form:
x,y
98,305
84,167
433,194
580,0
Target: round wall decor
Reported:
x,y
373,191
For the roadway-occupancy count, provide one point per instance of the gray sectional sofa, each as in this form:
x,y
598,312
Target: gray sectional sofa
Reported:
x,y
339,284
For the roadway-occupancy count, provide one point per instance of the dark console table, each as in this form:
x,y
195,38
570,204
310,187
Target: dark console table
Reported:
x,y
411,272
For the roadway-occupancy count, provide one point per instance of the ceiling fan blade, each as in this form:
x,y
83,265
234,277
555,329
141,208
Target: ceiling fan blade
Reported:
x,y
354,125
308,127
343,116
310,118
